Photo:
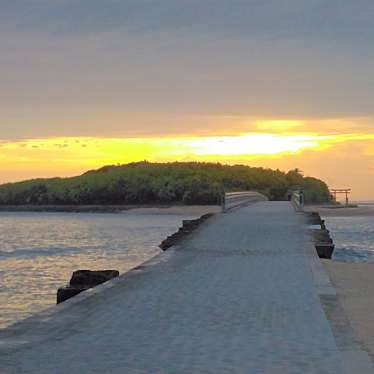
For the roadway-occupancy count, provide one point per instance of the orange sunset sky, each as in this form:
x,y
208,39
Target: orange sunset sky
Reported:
x,y
280,84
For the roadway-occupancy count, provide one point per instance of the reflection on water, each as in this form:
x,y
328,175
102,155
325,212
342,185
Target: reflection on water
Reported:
x,y
353,238
39,251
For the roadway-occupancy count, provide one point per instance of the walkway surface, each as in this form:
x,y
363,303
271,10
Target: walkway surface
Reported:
x,y
242,296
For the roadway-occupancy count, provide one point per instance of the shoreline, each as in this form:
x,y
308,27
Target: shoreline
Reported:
x,y
341,211
152,209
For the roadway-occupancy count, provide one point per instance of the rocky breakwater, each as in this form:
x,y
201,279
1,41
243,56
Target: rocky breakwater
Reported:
x,y
322,239
188,226
82,280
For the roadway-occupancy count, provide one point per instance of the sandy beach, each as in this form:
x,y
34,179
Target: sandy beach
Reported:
x,y
354,285
197,210
341,210
138,209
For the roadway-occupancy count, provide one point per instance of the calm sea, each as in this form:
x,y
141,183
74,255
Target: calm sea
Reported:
x,y
353,237
39,251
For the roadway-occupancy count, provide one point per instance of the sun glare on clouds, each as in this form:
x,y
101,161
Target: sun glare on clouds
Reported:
x,y
55,156
67,156
254,144
128,149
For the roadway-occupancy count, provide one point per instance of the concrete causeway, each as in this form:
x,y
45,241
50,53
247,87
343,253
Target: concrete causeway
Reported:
x,y
245,294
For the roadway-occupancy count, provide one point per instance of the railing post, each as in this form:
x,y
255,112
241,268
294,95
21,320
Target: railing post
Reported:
x,y
301,194
298,199
223,199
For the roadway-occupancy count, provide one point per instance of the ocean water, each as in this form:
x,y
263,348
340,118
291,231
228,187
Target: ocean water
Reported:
x,y
353,238
39,251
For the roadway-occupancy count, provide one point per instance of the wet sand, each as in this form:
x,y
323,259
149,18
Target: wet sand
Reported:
x,y
354,283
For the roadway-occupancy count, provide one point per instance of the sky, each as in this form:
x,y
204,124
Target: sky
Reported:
x,y
277,83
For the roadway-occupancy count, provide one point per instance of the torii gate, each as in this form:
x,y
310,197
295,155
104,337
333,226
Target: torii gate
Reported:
x,y
345,191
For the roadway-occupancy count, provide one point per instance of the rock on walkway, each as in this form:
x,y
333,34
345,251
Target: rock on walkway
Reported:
x,y
242,296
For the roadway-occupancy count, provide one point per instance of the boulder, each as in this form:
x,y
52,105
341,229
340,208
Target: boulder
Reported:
x,y
82,280
325,250
322,236
91,278
64,293
206,216
191,223
188,226
313,218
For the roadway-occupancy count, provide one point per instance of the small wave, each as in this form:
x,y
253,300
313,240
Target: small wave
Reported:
x,y
353,255
38,252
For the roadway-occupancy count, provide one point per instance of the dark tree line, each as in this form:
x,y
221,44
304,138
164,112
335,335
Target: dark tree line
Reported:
x,y
147,183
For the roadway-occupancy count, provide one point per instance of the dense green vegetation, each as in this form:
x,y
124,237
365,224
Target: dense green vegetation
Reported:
x,y
146,183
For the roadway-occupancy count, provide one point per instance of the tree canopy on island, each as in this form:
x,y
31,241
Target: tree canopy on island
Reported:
x,y
150,183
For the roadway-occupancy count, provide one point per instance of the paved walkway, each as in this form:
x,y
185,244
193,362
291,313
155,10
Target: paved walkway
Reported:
x,y
242,296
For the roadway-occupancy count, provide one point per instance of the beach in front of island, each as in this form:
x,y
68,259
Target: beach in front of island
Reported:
x,y
354,210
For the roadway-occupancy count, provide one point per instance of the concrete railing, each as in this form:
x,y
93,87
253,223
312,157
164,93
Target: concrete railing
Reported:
x,y
297,198
237,199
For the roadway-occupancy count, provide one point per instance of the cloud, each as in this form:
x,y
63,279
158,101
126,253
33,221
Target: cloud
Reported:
x,y
315,17
129,68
